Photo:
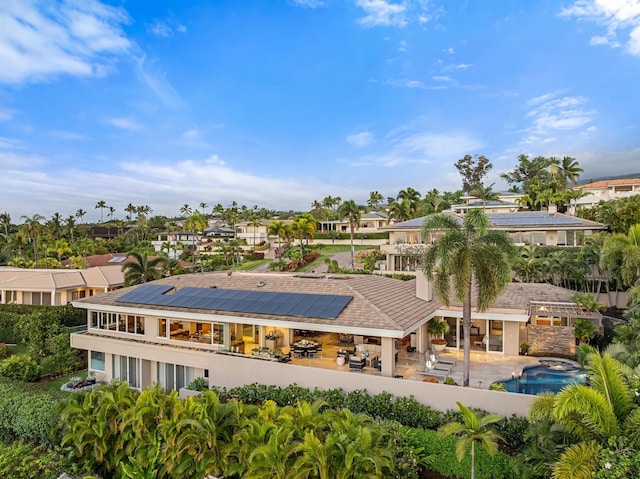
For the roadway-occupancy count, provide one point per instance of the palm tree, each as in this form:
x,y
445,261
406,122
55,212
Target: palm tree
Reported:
x,y
71,225
280,230
61,248
203,206
5,222
592,414
473,429
195,222
112,212
80,214
142,270
33,229
350,210
400,210
375,199
486,193
467,253
621,255
102,205
130,209
411,195
570,170
303,228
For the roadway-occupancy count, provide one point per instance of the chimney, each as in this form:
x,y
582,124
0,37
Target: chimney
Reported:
x,y
424,288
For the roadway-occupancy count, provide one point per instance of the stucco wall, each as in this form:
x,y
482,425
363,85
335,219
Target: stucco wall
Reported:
x,y
231,371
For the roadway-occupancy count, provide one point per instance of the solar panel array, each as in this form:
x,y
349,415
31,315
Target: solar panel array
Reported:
x,y
117,259
526,219
325,306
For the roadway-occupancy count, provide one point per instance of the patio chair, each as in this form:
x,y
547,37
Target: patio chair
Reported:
x,y
444,360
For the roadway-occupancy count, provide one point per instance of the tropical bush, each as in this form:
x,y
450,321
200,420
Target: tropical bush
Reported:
x,y
4,351
28,414
22,367
20,460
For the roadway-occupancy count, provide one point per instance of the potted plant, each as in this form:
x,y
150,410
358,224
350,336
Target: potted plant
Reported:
x,y
524,349
438,328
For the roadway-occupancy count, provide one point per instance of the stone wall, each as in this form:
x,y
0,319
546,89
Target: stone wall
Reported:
x,y
551,340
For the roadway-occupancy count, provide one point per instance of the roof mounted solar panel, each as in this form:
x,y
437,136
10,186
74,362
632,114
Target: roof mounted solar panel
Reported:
x,y
326,306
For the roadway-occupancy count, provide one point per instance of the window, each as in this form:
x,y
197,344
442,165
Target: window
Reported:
x,y
174,376
97,361
127,369
125,323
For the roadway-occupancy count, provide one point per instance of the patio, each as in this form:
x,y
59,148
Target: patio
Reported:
x,y
485,367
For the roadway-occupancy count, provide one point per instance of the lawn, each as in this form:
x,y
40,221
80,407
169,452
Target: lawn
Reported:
x,y
249,265
327,249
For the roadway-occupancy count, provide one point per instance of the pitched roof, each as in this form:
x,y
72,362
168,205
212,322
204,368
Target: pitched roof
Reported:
x,y
608,183
383,304
21,279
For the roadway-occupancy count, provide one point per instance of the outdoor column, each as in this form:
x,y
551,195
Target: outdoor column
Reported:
x,y
388,357
421,338
3,296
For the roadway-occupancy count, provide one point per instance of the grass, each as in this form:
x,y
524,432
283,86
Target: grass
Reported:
x,y
55,384
327,249
17,349
249,265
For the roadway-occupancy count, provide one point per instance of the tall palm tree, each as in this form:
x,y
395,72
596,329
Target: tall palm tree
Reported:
x,y
467,255
130,210
71,226
400,210
375,199
195,222
5,222
112,212
142,270
102,205
570,170
33,229
486,193
203,207
473,429
80,214
413,196
351,211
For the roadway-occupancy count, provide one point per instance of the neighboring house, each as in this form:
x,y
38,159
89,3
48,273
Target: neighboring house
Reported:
x,y
174,242
369,223
57,286
525,227
221,325
606,190
252,234
506,203
106,232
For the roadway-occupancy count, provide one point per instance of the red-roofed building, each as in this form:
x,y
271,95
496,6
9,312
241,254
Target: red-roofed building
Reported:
x,y
606,190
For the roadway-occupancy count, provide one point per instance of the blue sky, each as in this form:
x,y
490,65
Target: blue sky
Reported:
x,y
279,103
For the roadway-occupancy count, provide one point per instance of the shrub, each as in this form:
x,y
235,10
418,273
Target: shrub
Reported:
x,y
4,351
497,387
9,331
198,384
450,382
23,461
442,450
28,414
22,368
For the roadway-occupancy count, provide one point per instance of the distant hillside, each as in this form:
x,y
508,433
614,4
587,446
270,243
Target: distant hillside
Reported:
x,y
604,178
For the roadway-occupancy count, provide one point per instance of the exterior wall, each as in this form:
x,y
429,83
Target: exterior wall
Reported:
x,y
551,340
226,370
511,333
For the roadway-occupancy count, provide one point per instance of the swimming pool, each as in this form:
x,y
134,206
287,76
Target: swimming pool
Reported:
x,y
551,375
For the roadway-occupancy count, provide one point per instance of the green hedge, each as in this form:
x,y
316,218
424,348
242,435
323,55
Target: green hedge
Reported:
x,y
442,450
10,332
24,461
28,414
21,368
64,315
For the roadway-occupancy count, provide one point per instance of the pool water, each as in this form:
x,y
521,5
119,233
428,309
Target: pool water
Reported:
x,y
551,375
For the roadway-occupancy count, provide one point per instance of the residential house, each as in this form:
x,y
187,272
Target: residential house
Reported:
x,y
57,286
606,190
370,222
406,246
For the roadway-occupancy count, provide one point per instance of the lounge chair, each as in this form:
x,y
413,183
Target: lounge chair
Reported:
x,y
444,360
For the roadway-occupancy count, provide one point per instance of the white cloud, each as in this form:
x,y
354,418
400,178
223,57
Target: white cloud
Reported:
x,y
149,75
442,78
165,29
39,40
308,3
68,135
191,134
382,13
551,114
619,17
124,123
362,139
415,143
6,114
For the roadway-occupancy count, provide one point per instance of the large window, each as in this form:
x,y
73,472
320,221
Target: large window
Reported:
x,y
127,369
193,331
97,361
174,376
123,323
